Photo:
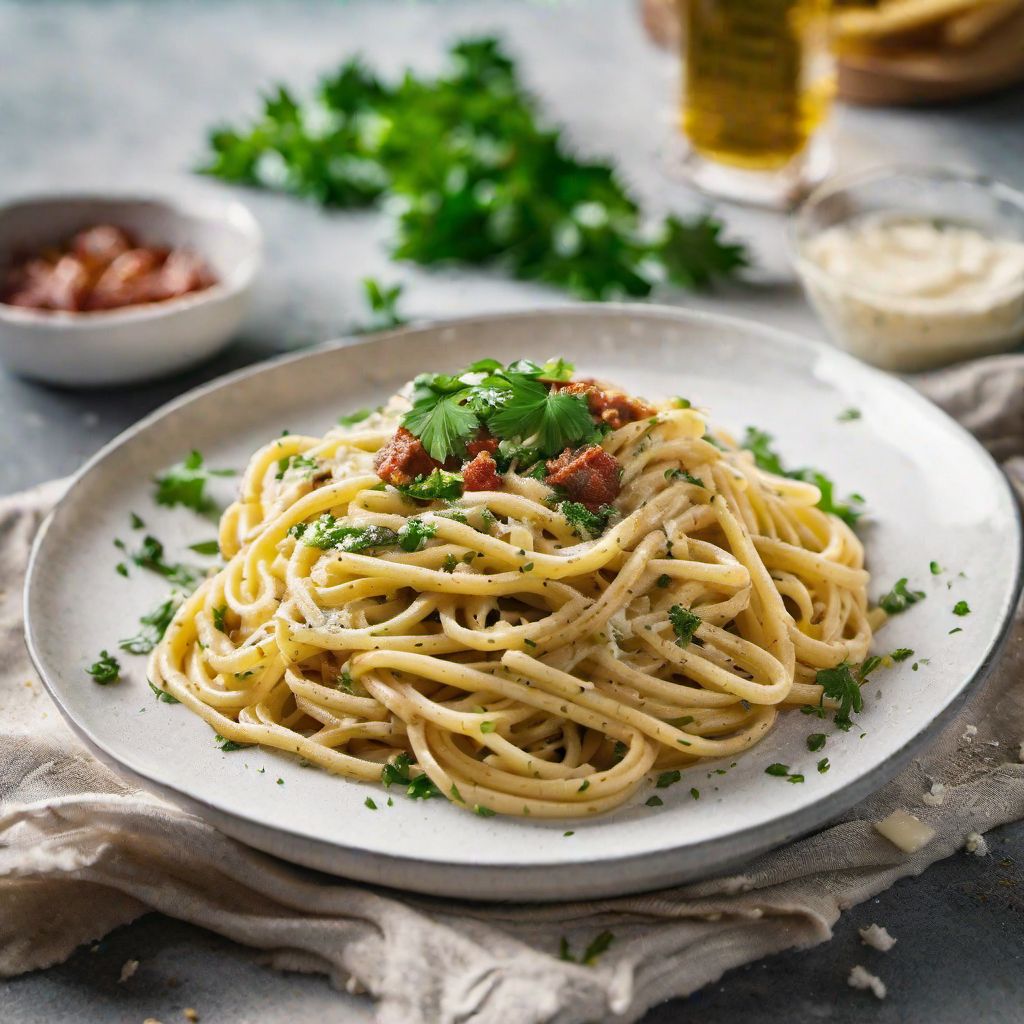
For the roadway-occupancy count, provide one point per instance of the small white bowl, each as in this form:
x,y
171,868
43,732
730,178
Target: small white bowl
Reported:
x,y
135,343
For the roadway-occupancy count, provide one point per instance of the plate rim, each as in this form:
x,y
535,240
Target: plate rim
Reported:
x,y
649,870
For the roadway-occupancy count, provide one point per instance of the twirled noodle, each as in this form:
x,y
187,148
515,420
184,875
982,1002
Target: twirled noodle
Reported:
x,y
525,669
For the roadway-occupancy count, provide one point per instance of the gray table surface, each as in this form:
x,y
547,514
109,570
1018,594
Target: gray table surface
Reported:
x,y
119,94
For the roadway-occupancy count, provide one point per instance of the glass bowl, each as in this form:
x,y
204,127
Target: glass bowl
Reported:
x,y
952,304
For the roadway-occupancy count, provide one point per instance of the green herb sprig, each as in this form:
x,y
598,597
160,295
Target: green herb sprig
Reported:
x,y
478,176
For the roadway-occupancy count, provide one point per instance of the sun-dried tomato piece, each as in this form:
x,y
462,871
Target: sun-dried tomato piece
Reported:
x,y
481,474
612,407
588,475
403,459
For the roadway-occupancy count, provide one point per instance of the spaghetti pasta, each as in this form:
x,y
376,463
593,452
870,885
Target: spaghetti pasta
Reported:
x,y
521,649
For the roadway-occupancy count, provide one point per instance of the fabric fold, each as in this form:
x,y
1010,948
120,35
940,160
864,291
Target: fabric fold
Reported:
x,y
82,851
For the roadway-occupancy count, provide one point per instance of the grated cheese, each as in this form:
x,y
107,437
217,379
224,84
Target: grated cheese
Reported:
x,y
935,796
976,844
863,979
902,829
877,937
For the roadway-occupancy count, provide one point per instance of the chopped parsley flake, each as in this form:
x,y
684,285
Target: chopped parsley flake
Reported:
x,y
206,547
777,769
681,474
935,568
839,684
450,563
823,766
167,698
695,793
414,534
218,617
684,624
664,580
327,533
370,803
228,745
295,462
899,599
815,741
666,779
585,523
106,669
185,484
654,801
849,414
484,812
901,654
961,608
355,417
418,787
438,486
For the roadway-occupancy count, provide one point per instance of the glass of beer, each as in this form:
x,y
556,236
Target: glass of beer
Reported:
x,y
758,81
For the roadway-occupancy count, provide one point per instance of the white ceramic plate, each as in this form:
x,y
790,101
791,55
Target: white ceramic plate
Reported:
x,y
932,491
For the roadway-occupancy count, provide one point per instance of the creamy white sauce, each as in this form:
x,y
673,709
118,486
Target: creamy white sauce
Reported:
x,y
906,293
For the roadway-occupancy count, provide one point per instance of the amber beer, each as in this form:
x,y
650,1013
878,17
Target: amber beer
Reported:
x,y
757,79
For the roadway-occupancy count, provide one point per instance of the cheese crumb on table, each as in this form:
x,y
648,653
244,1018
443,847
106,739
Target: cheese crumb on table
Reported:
x,y
860,978
128,968
935,796
902,829
969,733
976,844
877,937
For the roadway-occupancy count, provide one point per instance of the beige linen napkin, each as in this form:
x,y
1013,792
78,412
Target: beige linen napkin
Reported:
x,y
82,852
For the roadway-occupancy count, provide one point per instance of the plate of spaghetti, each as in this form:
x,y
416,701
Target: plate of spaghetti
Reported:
x,y
536,606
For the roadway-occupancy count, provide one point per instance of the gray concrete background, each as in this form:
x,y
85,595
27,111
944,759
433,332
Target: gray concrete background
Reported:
x,y
116,94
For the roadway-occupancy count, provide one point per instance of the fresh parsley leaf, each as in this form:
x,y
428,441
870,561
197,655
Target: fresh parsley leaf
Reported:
x,y
442,424
154,625
899,599
106,669
839,684
185,484
553,420
353,418
901,654
694,254
438,486
684,624
450,563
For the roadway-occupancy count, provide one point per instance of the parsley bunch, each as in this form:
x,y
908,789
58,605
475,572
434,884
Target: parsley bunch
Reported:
x,y
478,177
511,402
